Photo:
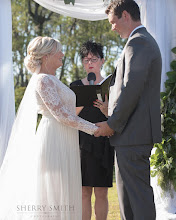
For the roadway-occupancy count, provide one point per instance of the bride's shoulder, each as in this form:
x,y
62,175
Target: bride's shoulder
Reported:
x,y
43,75
44,79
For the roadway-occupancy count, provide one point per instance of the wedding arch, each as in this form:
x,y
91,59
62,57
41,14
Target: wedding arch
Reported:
x,y
157,16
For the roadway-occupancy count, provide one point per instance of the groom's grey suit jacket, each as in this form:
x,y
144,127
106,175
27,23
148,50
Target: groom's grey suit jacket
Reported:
x,y
134,101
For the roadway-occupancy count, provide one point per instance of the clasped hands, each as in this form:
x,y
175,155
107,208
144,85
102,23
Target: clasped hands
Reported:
x,y
103,129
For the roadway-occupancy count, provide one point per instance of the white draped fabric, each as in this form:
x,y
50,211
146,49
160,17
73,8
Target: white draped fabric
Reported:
x,y
7,106
82,9
165,202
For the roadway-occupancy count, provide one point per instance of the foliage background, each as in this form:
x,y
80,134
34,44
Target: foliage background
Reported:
x,y
164,159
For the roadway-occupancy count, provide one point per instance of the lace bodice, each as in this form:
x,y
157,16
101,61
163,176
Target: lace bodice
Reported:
x,y
57,100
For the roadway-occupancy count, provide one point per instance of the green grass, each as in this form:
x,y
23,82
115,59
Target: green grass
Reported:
x,y
114,212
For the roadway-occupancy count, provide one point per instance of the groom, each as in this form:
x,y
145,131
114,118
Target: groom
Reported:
x,y
134,111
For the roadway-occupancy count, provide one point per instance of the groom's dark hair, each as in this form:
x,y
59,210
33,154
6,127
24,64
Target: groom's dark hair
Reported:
x,y
118,6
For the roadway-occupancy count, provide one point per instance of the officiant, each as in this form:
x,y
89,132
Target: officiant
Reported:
x,y
96,153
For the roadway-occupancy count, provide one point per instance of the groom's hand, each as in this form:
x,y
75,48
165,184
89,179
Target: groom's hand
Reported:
x,y
103,129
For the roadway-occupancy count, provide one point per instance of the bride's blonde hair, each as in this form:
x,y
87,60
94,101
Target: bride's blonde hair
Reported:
x,y
37,48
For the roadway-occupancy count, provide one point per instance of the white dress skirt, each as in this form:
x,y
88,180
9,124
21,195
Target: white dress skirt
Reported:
x,y
44,180
59,189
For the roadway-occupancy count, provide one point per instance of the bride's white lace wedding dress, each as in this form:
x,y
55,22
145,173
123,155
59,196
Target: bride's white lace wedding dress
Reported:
x,y
40,178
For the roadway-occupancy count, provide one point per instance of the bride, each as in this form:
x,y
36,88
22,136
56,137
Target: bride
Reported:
x,y
40,177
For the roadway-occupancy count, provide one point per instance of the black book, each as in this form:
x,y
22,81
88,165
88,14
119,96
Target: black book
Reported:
x,y
87,94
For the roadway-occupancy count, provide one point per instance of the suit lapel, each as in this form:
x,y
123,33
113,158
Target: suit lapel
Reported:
x,y
113,78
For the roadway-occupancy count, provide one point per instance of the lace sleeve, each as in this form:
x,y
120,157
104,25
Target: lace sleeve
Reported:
x,y
48,91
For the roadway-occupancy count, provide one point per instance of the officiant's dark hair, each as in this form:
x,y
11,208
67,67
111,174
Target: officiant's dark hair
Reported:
x,y
91,47
118,6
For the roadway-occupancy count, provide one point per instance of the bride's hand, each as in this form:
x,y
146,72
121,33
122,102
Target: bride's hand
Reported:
x,y
103,106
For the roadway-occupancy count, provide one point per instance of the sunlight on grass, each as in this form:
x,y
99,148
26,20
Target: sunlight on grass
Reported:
x,y
114,212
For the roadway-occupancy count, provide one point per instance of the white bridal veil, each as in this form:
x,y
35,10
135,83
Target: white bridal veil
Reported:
x,y
19,161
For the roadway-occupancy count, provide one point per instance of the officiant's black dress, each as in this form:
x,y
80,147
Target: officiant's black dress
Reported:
x,y
97,156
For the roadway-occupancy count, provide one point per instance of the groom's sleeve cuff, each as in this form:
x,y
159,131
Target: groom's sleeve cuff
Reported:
x,y
113,124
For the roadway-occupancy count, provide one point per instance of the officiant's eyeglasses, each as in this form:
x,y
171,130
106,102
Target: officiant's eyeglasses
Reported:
x,y
93,60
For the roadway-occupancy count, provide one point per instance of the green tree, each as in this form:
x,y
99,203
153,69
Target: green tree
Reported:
x,y
39,16
19,92
30,20
20,34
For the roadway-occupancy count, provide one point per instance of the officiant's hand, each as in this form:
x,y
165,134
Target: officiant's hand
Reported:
x,y
103,129
103,106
